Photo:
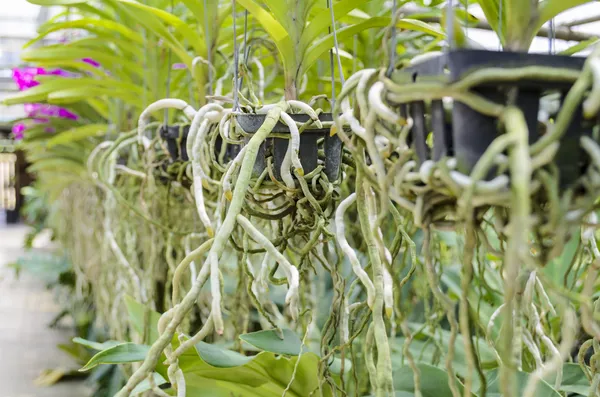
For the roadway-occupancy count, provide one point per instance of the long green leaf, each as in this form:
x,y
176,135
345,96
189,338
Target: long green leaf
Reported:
x,y
219,357
138,313
78,133
91,23
494,390
70,53
189,34
279,9
326,43
434,384
145,385
96,345
270,341
548,9
581,46
119,354
270,24
491,10
55,2
155,25
322,20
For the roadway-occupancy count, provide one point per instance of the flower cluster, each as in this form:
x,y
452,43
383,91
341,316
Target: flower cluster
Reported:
x,y
25,78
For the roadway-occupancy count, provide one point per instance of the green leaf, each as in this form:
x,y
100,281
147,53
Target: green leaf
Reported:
x,y
426,352
219,357
548,9
277,32
78,94
271,341
559,266
96,345
321,46
278,8
77,133
119,354
434,381
55,2
146,17
493,390
581,46
70,53
491,11
169,19
270,24
105,27
145,385
137,316
322,20
573,380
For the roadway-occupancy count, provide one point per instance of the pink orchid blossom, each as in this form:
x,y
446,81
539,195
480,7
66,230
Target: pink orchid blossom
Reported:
x,y
41,113
18,130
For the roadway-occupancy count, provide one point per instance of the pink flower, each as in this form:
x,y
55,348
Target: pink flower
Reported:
x,y
18,130
25,79
90,61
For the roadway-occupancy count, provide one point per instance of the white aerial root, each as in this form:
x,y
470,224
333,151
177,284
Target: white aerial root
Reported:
x,y
109,205
169,103
188,249
569,333
498,183
198,191
291,155
261,78
197,122
340,229
188,344
229,173
291,273
591,105
361,89
348,118
215,290
209,119
377,104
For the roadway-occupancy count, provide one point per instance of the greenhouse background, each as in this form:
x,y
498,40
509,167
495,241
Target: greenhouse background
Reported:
x,y
281,198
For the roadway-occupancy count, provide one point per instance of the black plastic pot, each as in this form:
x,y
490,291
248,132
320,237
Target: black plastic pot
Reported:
x,y
313,140
176,139
465,133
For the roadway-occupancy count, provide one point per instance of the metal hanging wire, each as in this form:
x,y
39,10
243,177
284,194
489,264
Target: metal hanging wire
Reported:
x,y
236,98
450,25
208,49
500,19
466,19
393,41
246,49
168,82
335,41
337,53
552,38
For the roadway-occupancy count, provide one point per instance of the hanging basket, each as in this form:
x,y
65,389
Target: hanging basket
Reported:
x,y
176,139
464,133
312,141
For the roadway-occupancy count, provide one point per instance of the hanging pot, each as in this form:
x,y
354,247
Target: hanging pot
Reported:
x,y
176,138
464,133
312,141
